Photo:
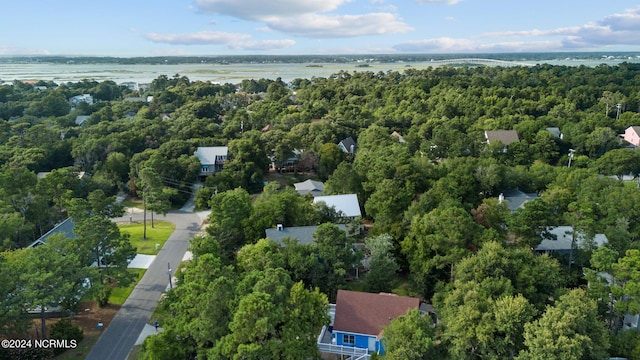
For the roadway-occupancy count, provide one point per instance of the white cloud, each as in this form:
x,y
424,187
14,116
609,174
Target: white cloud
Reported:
x,y
198,38
615,29
308,18
11,50
338,26
263,45
258,9
451,45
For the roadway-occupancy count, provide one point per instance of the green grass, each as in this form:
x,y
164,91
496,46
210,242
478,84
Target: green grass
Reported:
x,y
81,351
120,294
133,203
156,235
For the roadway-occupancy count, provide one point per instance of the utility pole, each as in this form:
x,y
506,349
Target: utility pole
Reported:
x,y
571,152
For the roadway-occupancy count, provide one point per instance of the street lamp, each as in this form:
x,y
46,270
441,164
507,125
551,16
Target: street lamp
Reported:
x,y
571,151
170,282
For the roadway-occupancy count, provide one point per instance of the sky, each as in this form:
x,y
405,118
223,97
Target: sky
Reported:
x,y
127,28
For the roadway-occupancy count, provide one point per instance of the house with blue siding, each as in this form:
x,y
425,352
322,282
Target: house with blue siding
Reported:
x,y
361,317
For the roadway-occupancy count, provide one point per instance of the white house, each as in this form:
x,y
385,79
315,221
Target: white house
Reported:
x,y
212,158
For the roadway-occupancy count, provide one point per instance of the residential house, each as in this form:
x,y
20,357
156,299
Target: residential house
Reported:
x,y
303,234
86,98
556,132
346,204
560,240
632,135
64,228
348,145
140,99
212,158
359,321
315,188
81,119
506,137
398,136
131,85
516,199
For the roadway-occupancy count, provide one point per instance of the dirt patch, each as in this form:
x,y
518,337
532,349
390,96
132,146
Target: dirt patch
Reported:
x,y
87,319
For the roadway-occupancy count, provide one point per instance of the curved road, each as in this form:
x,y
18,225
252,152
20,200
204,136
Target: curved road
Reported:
x,y
119,337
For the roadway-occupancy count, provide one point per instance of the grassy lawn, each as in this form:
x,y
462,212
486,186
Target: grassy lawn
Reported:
x,y
83,348
156,235
120,294
133,203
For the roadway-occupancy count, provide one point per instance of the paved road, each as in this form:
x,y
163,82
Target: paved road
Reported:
x,y
118,339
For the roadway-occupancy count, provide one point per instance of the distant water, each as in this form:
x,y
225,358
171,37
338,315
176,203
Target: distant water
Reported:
x,y
232,73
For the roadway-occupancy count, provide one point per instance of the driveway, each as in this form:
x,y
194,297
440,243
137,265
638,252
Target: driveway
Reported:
x,y
118,339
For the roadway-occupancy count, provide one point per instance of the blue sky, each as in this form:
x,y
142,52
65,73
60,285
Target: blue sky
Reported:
x,y
228,27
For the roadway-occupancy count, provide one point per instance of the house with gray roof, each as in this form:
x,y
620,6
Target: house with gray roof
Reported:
x,y
560,240
309,186
212,158
303,234
516,199
81,119
506,137
346,204
64,228
348,145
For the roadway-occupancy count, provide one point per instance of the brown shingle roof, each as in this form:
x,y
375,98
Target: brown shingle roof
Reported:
x,y
506,137
367,313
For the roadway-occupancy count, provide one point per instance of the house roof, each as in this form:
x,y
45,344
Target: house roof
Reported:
x,y
366,313
309,186
347,144
207,154
516,198
397,135
304,234
65,228
506,137
564,236
555,131
347,204
80,119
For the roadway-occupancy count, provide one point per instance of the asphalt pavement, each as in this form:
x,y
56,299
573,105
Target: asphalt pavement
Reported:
x,y
120,336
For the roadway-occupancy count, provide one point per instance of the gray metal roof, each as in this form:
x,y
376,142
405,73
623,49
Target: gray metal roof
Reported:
x,y
564,237
208,154
309,186
65,228
347,204
304,234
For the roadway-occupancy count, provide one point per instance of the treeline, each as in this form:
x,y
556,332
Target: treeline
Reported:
x,y
434,196
297,59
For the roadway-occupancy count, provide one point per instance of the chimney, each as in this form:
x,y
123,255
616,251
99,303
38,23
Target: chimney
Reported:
x,y
279,227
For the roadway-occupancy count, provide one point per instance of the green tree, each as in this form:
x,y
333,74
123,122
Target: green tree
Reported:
x,y
436,242
568,330
336,258
330,156
411,337
381,263
230,211
619,162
